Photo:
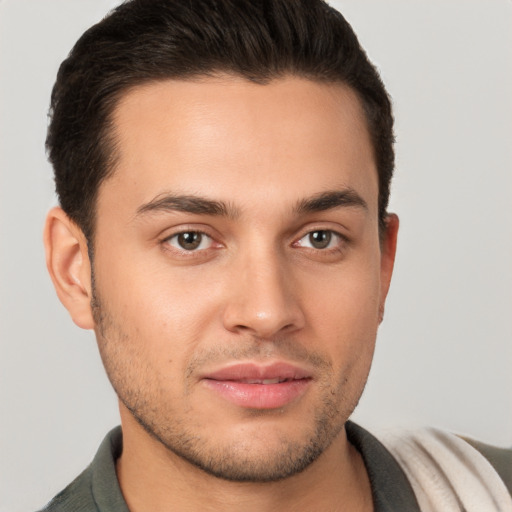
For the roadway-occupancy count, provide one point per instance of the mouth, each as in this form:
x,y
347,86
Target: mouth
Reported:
x,y
255,386
277,380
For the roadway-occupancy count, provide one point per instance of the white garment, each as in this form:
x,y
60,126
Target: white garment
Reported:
x,y
446,473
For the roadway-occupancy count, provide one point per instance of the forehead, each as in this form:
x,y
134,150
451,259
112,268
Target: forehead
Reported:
x,y
232,138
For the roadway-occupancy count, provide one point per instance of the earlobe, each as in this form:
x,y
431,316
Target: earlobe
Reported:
x,y
68,263
388,253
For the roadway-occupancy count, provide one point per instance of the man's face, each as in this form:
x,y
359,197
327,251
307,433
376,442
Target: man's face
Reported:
x,y
239,278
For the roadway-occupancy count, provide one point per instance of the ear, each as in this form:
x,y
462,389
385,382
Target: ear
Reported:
x,y
387,259
67,260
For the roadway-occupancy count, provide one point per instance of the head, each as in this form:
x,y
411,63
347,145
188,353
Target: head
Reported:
x,y
148,41
229,162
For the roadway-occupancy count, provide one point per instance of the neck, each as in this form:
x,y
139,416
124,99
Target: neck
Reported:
x,y
153,478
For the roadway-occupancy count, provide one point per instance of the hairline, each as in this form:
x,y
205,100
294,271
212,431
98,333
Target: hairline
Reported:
x,y
111,141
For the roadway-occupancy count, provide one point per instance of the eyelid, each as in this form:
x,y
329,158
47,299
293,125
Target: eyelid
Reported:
x,y
340,239
171,231
197,249
336,229
178,230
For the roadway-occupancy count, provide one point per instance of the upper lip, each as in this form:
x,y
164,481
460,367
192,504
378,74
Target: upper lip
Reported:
x,y
250,371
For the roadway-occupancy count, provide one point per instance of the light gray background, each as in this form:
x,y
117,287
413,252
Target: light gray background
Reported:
x,y
444,352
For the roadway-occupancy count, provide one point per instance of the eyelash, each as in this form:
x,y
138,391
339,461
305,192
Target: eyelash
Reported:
x,y
189,253
197,251
332,235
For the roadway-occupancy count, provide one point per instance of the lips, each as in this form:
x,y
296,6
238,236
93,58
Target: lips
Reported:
x,y
257,386
277,380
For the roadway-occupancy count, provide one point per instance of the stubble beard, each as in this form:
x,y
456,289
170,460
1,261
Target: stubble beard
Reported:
x,y
228,461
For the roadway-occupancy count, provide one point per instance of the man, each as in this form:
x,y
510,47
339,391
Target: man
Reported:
x,y
223,172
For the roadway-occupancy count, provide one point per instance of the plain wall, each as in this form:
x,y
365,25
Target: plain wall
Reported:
x,y
444,351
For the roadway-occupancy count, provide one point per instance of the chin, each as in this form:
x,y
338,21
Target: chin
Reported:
x,y
267,448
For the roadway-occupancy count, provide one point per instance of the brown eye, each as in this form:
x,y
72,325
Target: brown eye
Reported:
x,y
190,241
320,239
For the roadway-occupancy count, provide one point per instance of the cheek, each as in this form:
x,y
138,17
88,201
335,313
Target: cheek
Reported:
x,y
346,300
152,297
344,314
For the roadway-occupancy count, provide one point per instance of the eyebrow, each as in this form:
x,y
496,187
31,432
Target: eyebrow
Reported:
x,y
202,206
331,199
188,204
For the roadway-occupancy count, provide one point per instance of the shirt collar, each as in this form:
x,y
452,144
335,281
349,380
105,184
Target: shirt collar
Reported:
x,y
391,490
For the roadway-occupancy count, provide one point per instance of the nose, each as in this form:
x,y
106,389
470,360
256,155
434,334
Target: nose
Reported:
x,y
263,298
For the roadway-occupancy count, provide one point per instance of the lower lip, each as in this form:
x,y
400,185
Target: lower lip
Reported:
x,y
259,396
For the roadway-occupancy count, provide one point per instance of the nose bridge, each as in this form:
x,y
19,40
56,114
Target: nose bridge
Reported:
x,y
262,300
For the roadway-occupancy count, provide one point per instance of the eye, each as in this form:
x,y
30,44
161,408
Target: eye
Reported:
x,y
320,239
190,241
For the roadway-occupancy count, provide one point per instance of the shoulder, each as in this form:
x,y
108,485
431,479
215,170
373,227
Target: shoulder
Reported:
x,y
499,458
96,488
76,497
444,468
